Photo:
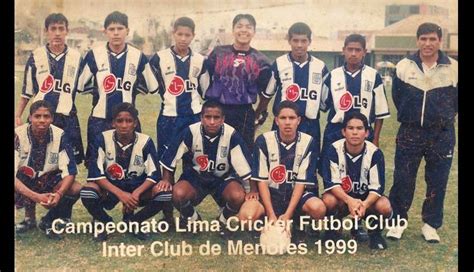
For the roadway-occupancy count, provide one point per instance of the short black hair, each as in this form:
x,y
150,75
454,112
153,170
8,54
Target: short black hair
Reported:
x,y
212,104
355,38
41,104
427,28
241,16
184,21
125,106
286,104
355,115
299,28
55,18
116,17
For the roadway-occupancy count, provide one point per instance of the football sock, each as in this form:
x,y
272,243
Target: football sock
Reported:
x,y
168,210
152,208
66,203
228,211
90,200
186,210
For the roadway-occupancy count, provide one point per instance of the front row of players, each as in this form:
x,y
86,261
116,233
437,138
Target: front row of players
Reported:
x,y
278,181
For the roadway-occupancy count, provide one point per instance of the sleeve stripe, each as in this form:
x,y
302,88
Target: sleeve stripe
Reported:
x,y
152,180
328,189
384,115
259,179
167,167
375,192
97,178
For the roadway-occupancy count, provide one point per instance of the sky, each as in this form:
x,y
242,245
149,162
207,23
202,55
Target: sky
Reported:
x,y
325,17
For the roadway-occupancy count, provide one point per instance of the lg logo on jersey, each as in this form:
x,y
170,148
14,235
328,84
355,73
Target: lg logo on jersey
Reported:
x,y
347,101
112,83
294,92
208,165
51,84
178,85
279,174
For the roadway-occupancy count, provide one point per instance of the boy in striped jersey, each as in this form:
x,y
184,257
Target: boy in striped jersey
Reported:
x,y
45,170
183,78
123,169
113,74
51,74
353,172
284,165
216,161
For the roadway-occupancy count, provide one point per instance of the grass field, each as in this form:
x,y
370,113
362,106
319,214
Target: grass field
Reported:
x,y
33,251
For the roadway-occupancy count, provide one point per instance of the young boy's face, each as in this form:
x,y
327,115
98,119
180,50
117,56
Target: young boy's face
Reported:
x,y
287,122
183,36
124,123
354,53
243,31
299,45
41,119
116,34
56,34
355,132
212,120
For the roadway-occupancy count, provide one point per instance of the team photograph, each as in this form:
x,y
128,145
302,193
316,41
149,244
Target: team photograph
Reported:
x,y
205,135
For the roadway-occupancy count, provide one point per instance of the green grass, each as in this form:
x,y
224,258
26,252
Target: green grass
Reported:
x,y
33,251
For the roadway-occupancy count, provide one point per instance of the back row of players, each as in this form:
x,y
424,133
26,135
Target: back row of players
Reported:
x,y
280,177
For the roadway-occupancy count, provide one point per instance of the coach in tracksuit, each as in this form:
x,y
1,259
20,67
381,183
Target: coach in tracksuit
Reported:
x,y
426,97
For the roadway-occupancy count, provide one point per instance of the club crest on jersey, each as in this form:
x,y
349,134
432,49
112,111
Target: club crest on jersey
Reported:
x,y
53,158
71,71
132,69
368,85
278,174
345,102
203,162
138,160
346,184
224,151
238,62
317,78
47,84
109,83
292,92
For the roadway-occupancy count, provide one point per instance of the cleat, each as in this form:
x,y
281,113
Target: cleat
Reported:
x,y
333,235
48,230
359,234
376,241
395,233
430,234
25,226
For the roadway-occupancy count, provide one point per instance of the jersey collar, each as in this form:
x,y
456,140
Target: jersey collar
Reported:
x,y
443,59
183,59
354,158
354,74
117,55
134,140
290,145
212,139
58,56
300,64
49,135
